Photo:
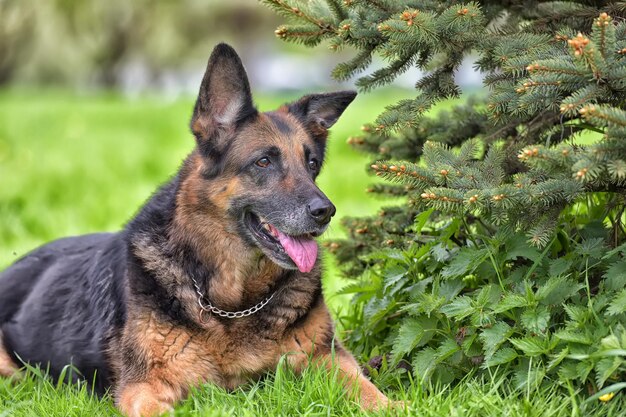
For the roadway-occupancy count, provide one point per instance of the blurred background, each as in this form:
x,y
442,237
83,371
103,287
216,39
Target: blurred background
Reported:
x,y
95,98
142,45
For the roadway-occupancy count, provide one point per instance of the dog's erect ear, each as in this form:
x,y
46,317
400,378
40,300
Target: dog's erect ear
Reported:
x,y
224,99
319,112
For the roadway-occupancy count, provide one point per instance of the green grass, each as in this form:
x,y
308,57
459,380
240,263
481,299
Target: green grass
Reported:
x,y
75,164
312,394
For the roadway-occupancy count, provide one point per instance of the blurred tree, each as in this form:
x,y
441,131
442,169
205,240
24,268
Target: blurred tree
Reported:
x,y
78,42
16,32
106,31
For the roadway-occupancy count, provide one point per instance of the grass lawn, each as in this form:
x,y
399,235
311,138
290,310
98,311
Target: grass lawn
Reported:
x,y
75,164
312,394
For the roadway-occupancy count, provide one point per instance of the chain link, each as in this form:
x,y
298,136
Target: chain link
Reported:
x,y
209,308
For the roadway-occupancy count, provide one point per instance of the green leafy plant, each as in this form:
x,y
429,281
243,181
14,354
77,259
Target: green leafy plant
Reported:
x,y
509,253
555,313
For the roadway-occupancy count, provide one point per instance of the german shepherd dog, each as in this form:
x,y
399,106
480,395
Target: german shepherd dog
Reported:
x,y
214,280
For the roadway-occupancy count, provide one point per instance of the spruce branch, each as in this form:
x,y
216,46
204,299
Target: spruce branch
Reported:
x,y
338,9
362,60
586,95
309,35
381,5
602,115
405,172
603,34
285,8
386,75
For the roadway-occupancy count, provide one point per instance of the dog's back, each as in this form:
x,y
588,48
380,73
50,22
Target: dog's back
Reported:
x,y
59,303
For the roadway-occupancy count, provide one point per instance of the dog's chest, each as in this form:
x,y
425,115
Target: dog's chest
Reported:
x,y
226,354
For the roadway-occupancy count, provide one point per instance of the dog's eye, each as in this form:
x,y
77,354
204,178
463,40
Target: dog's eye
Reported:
x,y
313,164
263,162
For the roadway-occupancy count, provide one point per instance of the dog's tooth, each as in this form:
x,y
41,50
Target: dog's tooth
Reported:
x,y
267,227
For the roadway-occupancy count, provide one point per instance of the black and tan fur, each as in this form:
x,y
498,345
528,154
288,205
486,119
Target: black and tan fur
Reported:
x,y
122,306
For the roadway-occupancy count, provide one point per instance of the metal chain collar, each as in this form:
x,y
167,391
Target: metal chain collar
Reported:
x,y
209,308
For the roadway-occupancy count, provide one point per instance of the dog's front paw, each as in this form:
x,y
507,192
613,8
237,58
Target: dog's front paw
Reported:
x,y
383,403
150,408
139,400
399,404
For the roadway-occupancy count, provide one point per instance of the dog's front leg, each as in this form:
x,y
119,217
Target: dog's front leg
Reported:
x,y
368,396
365,393
8,368
145,399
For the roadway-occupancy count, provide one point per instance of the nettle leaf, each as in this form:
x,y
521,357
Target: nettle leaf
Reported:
x,y
483,315
556,290
421,219
583,369
615,276
444,375
359,287
568,371
464,262
488,295
592,248
451,288
459,308
595,230
482,318
424,364
392,278
600,301
440,252
620,249
447,348
606,367
575,336
451,228
409,333
531,346
424,303
420,288
612,342
470,345
576,314
382,254
414,253
502,356
536,320
518,247
494,336
413,332
509,302
560,266
618,305
558,358
378,308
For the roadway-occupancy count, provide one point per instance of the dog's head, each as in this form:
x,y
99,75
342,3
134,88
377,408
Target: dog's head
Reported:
x,y
258,170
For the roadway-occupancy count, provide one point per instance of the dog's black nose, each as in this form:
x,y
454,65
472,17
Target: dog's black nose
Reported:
x,y
321,209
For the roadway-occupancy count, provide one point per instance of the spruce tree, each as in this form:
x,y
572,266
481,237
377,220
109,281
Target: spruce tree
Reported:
x,y
511,195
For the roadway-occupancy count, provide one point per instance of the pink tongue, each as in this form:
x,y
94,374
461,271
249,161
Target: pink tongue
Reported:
x,y
301,250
